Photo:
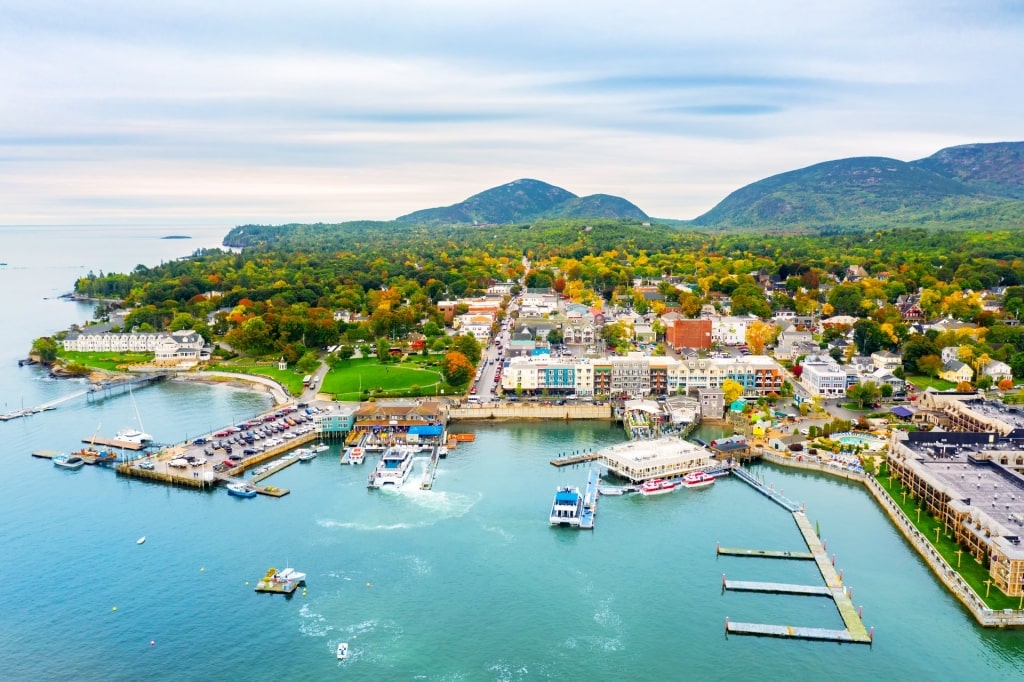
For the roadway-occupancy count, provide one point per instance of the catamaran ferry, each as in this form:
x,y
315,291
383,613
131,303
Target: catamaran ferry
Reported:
x,y
567,508
393,469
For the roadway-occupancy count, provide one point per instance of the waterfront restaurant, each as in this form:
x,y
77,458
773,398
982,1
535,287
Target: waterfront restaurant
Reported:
x,y
643,460
390,422
968,483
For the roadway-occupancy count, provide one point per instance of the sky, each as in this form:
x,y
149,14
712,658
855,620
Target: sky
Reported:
x,y
187,112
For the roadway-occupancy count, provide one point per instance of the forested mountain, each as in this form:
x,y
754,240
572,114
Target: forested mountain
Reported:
x,y
973,185
525,200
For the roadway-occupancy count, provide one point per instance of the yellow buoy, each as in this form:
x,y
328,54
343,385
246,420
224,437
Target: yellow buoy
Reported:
x,y
369,585
202,569
114,609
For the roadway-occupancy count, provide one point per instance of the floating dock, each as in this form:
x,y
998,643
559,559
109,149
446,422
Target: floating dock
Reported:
x,y
775,588
428,476
590,496
111,443
790,632
854,632
765,554
47,454
576,458
268,585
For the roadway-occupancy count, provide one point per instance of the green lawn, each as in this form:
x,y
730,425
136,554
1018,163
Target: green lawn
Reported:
x,y
108,361
388,380
938,384
288,378
974,573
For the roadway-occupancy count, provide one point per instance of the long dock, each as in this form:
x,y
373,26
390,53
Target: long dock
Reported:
x,y
428,476
776,588
854,632
789,632
590,496
577,458
112,443
765,554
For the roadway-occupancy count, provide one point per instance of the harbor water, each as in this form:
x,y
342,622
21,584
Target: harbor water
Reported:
x,y
466,581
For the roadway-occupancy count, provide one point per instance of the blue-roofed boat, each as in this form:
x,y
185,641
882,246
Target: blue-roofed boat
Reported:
x,y
567,508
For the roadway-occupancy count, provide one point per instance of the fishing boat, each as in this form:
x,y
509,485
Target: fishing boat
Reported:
x,y
698,479
342,651
567,508
393,469
241,490
658,486
68,462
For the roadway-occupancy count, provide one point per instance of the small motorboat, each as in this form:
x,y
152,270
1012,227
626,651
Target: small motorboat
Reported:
x,y
68,462
241,490
342,651
140,540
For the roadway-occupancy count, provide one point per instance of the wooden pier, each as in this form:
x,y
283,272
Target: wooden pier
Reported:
x,y
590,496
428,476
789,632
47,454
765,554
111,443
575,459
854,632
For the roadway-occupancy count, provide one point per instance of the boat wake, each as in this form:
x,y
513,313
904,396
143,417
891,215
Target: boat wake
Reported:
x,y
313,624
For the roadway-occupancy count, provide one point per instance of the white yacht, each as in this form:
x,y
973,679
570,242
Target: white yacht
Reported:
x,y
393,469
130,435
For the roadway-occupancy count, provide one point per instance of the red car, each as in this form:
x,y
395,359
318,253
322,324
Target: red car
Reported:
x,y
473,390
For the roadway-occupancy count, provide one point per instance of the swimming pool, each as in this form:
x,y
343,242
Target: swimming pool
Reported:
x,y
870,442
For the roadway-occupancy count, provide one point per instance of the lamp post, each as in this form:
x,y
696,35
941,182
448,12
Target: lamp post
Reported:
x,y
988,586
937,529
959,554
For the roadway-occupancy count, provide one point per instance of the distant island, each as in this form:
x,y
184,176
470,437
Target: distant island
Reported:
x,y
176,236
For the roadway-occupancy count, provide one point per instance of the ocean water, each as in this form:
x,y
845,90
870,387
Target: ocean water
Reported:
x,y
463,582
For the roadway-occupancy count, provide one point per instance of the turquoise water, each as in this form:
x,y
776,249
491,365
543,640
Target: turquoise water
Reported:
x,y
464,582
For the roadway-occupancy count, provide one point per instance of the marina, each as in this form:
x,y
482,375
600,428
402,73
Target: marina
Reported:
x,y
833,587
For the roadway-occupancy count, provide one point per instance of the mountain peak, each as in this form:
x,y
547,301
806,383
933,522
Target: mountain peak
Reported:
x,y
526,199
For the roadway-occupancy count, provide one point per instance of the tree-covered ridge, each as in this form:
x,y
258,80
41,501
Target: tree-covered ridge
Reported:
x,y
952,189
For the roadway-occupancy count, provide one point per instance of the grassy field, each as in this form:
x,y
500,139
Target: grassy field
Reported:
x,y
110,361
411,378
974,573
287,378
938,384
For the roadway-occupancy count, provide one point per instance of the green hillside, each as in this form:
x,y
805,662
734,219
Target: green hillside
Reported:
x,y
978,185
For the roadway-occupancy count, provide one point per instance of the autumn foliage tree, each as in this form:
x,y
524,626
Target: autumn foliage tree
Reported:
x,y
457,368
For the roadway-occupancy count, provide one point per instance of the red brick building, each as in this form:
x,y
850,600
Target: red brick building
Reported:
x,y
689,334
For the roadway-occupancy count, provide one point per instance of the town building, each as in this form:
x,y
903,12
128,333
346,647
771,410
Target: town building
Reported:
x,y
822,376
644,460
683,333
971,483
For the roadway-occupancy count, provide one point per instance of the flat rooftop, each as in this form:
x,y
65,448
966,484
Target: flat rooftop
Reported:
x,y
972,471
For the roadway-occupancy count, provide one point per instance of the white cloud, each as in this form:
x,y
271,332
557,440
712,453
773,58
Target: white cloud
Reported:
x,y
270,112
